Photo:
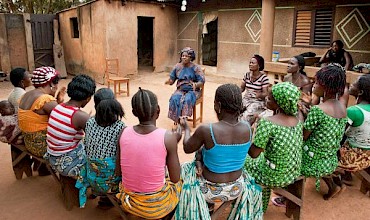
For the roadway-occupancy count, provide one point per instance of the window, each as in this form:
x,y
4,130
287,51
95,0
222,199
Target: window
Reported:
x,y
74,28
313,27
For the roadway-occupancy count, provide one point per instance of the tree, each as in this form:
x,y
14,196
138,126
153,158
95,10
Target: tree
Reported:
x,y
37,6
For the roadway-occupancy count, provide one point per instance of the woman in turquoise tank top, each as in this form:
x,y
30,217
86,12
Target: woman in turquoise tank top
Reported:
x,y
221,151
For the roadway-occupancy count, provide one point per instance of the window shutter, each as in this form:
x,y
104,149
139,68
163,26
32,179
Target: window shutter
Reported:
x,y
303,28
323,25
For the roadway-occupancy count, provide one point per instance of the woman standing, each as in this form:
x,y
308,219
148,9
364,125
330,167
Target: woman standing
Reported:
x,y
256,83
190,78
324,128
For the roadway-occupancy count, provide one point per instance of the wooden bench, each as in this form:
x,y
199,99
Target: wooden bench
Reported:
x,y
365,182
294,195
70,193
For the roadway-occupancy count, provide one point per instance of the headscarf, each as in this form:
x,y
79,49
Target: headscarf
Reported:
x,y
286,96
260,61
43,75
189,51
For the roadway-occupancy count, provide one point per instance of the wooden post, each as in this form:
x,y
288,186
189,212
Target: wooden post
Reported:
x,y
58,52
29,44
267,29
4,49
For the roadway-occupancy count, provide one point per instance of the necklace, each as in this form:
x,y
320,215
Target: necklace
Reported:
x,y
146,125
228,123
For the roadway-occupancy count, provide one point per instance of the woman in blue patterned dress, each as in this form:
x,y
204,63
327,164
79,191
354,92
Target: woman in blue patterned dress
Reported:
x,y
100,142
190,79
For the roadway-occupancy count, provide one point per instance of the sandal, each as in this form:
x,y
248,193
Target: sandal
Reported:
x,y
278,201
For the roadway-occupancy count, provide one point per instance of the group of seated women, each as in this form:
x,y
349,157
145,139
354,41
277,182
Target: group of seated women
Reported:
x,y
140,163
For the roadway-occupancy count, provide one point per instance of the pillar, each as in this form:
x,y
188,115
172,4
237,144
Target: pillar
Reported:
x,y
267,29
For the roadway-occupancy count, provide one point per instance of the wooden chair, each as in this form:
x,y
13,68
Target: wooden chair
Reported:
x,y
294,195
200,102
112,76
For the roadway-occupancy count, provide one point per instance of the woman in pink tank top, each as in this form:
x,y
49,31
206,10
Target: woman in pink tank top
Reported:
x,y
145,152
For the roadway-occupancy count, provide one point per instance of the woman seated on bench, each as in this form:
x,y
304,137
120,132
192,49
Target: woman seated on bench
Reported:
x,y
67,122
355,153
324,128
145,152
280,137
221,148
101,140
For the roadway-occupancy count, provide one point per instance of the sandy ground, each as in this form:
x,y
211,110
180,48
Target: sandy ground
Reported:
x,y
40,198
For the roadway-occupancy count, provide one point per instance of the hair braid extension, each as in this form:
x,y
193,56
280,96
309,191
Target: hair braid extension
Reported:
x,y
333,78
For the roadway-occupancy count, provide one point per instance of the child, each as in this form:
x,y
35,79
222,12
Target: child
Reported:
x,y
9,130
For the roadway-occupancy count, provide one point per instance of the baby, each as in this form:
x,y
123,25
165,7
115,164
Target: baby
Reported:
x,y
9,130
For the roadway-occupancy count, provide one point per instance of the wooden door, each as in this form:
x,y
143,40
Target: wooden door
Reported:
x,y
42,39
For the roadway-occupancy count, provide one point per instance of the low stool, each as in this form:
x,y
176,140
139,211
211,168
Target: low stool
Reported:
x,y
21,161
221,209
294,194
365,182
70,193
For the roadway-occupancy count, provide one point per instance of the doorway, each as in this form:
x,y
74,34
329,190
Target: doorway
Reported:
x,y
145,41
209,46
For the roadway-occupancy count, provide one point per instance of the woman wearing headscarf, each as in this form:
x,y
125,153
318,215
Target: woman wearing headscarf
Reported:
x,y
256,83
280,138
190,78
35,107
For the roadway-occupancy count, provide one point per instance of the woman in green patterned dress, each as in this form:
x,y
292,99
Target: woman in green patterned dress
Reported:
x,y
280,137
324,128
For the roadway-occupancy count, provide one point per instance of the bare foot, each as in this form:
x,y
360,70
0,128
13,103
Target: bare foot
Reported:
x,y
332,193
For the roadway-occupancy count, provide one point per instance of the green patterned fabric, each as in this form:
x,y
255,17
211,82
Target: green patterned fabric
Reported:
x,y
319,156
280,163
286,95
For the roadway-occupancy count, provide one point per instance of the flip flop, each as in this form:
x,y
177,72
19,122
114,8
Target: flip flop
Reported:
x,y
278,201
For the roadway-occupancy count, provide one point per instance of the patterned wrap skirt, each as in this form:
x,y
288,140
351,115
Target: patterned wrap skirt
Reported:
x,y
35,142
353,159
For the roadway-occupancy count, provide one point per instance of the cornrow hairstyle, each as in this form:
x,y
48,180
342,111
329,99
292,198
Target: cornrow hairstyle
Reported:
x,y
81,87
102,94
108,111
364,85
144,104
260,61
16,76
230,97
301,64
333,78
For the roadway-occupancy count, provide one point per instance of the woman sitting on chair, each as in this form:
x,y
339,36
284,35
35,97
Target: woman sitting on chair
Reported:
x,y
190,79
145,152
221,148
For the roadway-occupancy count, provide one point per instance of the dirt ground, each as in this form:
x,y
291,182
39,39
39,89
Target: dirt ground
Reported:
x,y
40,198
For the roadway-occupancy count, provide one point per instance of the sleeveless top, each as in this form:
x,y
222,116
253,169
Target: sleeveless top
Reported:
x,y
62,137
360,136
225,158
143,160
30,121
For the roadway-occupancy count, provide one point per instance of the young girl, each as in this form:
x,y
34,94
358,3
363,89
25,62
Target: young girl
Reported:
x,y
256,83
324,128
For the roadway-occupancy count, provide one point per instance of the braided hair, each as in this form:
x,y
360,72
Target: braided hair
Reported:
x,y
333,78
230,97
108,111
364,85
144,104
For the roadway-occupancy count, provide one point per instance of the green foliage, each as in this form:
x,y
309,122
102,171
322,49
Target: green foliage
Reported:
x,y
37,6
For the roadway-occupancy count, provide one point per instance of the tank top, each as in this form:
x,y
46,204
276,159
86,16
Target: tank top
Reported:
x,y
143,160
62,136
225,158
